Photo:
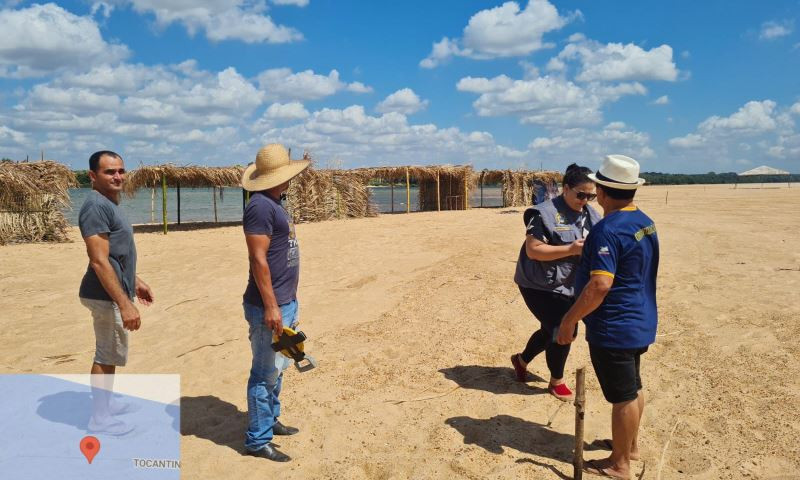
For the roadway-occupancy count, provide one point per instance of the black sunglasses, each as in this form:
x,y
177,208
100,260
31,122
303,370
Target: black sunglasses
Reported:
x,y
585,196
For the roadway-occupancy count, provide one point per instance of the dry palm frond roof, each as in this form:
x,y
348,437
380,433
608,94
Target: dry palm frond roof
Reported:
x,y
18,179
189,177
496,176
415,171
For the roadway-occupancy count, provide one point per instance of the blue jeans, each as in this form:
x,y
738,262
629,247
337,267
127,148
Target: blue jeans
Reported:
x,y
266,375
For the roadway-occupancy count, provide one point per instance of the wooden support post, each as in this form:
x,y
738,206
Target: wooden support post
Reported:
x,y
392,187
481,180
164,200
438,195
408,191
466,192
580,409
666,199
178,191
214,197
153,205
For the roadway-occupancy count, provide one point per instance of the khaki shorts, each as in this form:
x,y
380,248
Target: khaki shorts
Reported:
x,y
111,339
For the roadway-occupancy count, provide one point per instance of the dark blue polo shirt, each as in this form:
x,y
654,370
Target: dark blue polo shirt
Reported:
x,y
624,246
265,216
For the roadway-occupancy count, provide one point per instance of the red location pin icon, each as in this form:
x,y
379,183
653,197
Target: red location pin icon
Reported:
x,y
89,447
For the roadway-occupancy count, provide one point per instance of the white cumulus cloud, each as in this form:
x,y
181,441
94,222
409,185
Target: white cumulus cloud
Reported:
x,y
549,101
403,101
662,100
286,111
42,39
618,62
772,30
503,31
283,84
243,20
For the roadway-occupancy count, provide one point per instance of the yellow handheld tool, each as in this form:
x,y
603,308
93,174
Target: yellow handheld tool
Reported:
x,y
290,344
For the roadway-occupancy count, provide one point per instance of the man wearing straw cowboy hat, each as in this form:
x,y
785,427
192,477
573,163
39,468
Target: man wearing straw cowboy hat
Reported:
x,y
270,300
617,284
109,286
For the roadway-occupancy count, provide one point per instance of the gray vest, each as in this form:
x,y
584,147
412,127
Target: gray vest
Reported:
x,y
554,223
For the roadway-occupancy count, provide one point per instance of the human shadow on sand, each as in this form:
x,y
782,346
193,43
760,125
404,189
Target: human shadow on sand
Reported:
x,y
504,431
213,419
497,380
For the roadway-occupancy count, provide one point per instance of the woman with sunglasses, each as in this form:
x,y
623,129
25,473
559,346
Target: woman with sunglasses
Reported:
x,y
548,261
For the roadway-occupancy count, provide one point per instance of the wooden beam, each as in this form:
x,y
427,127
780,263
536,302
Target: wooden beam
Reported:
x,y
408,191
164,200
438,195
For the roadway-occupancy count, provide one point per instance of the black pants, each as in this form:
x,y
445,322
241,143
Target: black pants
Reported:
x,y
548,308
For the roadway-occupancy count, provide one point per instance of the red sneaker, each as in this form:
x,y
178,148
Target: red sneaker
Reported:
x,y
561,392
519,370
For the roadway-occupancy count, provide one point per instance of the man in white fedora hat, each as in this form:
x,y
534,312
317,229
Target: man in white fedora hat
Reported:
x,y
617,301
270,300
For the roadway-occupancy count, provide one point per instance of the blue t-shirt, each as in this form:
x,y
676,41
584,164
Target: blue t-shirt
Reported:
x,y
100,215
265,216
624,246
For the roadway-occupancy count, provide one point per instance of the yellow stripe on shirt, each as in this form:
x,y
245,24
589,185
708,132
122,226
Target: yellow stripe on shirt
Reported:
x,y
601,272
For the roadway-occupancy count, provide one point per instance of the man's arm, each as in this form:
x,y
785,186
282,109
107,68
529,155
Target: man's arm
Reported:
x,y
536,249
97,247
257,247
588,301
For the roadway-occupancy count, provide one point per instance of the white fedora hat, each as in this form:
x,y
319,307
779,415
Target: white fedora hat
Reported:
x,y
271,168
618,171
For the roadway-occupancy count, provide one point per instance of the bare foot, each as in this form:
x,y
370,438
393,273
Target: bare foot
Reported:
x,y
605,468
606,444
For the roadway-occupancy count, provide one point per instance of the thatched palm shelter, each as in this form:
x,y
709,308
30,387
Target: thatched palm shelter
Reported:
x,y
168,175
518,185
317,195
441,187
32,196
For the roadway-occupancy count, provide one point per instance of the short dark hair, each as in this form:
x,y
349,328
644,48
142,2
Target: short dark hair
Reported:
x,y
576,175
94,160
617,193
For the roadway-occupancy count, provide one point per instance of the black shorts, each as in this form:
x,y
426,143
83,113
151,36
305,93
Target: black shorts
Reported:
x,y
617,371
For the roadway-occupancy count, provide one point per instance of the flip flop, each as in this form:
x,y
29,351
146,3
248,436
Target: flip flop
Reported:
x,y
591,466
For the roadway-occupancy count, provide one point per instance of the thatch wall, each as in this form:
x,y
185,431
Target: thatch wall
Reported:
x,y
32,196
517,185
317,195
187,177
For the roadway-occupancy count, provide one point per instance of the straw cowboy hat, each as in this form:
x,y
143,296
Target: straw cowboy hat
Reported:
x,y
271,168
618,171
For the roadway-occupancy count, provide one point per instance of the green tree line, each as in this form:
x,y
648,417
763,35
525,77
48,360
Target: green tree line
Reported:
x,y
657,178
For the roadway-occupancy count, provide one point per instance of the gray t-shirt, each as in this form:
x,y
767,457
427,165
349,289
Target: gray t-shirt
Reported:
x,y
554,223
100,215
265,216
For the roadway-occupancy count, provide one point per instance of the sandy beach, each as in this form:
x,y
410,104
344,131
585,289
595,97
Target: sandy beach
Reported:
x,y
413,319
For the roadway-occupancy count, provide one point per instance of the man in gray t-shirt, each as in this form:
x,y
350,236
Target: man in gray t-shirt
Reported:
x,y
109,284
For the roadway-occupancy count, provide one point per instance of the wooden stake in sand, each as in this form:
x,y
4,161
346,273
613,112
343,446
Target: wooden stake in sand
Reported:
x,y
438,195
164,200
408,191
214,197
391,185
178,187
153,205
580,408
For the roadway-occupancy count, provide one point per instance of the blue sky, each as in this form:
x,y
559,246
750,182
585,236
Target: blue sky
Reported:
x,y
681,86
